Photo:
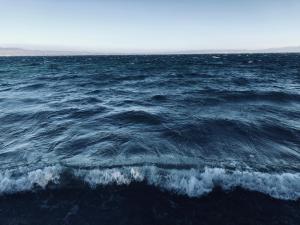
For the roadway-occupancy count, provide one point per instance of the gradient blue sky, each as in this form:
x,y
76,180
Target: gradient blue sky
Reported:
x,y
152,25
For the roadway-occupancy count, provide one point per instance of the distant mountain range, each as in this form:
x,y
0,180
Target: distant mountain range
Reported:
x,y
286,49
236,51
28,52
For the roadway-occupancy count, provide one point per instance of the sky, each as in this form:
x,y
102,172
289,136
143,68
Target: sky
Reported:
x,y
149,25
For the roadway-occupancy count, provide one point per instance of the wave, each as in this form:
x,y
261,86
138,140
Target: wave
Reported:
x,y
269,96
190,182
243,96
159,97
137,117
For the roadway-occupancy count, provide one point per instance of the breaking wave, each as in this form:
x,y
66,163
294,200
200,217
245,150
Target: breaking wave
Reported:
x,y
190,182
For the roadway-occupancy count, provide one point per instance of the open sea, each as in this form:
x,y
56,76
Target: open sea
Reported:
x,y
170,139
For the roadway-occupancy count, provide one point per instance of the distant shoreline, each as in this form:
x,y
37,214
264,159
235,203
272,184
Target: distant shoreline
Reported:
x,y
19,52
150,54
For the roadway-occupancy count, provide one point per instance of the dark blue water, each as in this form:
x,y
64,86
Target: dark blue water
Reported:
x,y
182,124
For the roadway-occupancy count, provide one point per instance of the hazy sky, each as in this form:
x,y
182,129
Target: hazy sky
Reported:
x,y
152,25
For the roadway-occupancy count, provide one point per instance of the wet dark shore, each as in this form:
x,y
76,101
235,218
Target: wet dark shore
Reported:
x,y
139,203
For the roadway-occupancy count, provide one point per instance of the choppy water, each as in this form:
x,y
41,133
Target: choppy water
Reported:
x,y
180,123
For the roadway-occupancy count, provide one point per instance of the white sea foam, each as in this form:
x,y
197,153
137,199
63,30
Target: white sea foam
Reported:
x,y
11,183
191,182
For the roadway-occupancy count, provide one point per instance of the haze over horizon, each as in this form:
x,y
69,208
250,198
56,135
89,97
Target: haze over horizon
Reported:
x,y
142,26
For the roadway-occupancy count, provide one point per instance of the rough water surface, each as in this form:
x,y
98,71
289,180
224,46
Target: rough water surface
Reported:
x,y
189,130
